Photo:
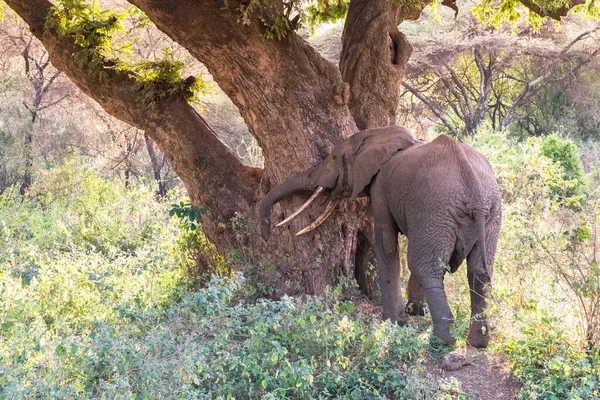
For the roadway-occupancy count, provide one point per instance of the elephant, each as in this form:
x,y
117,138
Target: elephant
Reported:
x,y
442,195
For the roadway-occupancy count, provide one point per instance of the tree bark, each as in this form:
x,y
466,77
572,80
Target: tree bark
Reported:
x,y
373,61
295,104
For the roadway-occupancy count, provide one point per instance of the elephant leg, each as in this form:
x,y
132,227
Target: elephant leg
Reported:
x,y
386,252
416,297
427,264
480,280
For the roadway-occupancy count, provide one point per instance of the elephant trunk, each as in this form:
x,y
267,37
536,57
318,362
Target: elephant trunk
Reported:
x,y
294,184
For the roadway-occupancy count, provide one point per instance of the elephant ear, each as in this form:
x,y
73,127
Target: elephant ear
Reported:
x,y
372,150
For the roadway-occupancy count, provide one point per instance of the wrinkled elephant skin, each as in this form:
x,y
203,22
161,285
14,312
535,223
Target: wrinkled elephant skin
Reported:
x,y
442,195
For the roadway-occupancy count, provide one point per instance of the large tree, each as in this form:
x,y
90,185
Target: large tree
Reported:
x,y
296,104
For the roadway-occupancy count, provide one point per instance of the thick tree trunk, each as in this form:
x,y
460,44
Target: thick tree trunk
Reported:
x,y
373,61
295,104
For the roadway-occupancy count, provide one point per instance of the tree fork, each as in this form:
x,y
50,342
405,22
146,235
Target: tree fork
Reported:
x,y
291,98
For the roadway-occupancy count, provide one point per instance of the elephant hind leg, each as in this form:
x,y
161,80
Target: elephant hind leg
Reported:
x,y
480,280
416,297
426,261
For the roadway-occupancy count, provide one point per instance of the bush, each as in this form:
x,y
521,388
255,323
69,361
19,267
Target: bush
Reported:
x,y
545,296
567,155
550,367
84,316
198,256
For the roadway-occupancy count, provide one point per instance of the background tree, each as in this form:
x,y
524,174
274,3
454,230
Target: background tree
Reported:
x,y
296,105
499,79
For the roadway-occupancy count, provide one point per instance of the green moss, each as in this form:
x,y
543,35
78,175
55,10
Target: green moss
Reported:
x,y
94,31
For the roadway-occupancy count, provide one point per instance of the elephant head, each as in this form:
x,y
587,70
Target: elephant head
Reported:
x,y
345,172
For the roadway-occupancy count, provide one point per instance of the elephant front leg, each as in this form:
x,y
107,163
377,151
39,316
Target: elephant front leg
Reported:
x,y
416,297
386,252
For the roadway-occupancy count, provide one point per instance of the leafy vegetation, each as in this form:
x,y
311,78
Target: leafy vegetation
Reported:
x,y
546,284
99,298
94,31
550,366
102,295
94,304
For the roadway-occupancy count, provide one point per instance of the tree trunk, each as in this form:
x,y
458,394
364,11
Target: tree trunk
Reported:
x,y
373,61
28,156
162,190
295,104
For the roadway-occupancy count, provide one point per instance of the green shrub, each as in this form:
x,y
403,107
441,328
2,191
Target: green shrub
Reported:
x,y
545,291
84,316
550,367
566,154
198,256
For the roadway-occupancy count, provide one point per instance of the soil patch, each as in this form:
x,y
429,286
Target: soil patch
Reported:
x,y
486,377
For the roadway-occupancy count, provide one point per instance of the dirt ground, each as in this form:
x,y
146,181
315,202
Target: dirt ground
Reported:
x,y
485,377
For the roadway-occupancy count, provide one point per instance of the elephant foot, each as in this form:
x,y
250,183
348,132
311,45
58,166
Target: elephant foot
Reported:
x,y
479,335
415,308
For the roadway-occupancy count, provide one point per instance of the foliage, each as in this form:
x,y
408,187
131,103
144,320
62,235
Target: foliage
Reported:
x,y
525,174
91,29
546,294
81,321
571,253
198,257
567,155
512,10
94,31
322,11
277,19
566,107
189,215
73,207
160,79
550,367
515,87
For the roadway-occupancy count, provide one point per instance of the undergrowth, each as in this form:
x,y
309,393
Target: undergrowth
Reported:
x,y
94,304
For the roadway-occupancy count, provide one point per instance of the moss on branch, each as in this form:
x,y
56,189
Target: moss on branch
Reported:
x,y
94,32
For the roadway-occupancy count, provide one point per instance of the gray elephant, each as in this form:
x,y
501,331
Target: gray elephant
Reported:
x,y
442,195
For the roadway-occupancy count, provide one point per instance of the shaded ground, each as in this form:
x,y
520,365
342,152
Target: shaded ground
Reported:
x,y
487,376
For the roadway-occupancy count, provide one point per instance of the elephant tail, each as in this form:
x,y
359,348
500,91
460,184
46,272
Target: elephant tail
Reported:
x,y
480,226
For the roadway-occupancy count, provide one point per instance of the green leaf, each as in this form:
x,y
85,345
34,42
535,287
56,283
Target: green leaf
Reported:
x,y
60,350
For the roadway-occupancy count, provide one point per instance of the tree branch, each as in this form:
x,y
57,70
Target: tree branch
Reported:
x,y
190,143
556,14
530,87
433,109
266,79
464,113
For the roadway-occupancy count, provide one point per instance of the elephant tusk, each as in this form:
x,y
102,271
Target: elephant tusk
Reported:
x,y
328,210
303,206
